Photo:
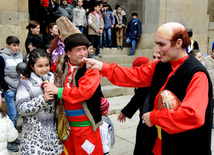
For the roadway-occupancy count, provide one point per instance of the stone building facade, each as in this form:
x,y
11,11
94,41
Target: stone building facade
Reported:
x,y
195,14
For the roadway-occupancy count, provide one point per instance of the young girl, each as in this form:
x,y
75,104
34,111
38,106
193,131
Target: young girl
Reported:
x,y
39,134
8,132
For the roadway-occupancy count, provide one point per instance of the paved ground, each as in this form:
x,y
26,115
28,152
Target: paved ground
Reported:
x,y
124,132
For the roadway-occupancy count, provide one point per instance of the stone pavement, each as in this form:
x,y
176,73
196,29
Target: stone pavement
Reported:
x,y
124,132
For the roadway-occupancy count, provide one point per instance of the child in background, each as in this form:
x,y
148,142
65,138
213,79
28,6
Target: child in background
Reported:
x,y
91,52
39,133
8,132
120,21
79,16
196,54
108,25
9,79
95,28
133,31
107,128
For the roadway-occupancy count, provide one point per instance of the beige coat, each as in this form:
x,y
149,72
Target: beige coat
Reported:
x,y
208,63
92,24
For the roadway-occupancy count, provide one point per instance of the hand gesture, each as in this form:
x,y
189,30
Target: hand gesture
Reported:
x,y
101,31
93,64
146,118
50,87
121,117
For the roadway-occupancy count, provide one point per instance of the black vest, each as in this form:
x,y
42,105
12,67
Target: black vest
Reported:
x,y
195,141
94,103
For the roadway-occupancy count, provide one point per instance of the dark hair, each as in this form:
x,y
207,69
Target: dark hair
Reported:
x,y
50,26
190,32
63,0
194,52
33,56
32,24
183,35
12,39
53,44
117,6
96,4
3,114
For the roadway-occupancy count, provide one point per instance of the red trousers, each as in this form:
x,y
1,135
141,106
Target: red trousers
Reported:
x,y
83,141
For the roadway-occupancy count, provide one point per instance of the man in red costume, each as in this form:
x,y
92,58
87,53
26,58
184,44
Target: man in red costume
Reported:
x,y
187,129
81,93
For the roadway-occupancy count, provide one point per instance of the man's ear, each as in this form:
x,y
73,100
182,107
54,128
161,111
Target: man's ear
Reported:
x,y
68,53
179,43
7,45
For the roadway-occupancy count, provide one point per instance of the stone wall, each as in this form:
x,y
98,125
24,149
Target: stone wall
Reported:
x,y
13,20
192,14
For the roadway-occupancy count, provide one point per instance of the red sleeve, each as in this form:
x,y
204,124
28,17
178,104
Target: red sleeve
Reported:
x,y
87,85
191,113
129,77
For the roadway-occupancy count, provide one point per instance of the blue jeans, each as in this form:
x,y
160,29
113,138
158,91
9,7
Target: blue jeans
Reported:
x,y
133,42
11,106
107,36
101,40
81,28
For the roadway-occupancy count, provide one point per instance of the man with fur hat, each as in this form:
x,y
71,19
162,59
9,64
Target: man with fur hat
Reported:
x,y
187,128
79,95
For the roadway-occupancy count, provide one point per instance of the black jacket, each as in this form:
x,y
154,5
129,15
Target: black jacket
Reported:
x,y
195,141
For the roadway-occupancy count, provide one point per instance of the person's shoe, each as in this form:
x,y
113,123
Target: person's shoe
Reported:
x,y
17,141
12,147
101,46
130,54
105,46
121,47
118,47
99,55
109,46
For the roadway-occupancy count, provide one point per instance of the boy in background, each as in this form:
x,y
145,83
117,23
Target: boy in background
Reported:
x,y
95,28
108,25
133,31
9,79
91,51
120,21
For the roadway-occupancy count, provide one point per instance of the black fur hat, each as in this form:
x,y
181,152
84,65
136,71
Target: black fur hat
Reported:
x,y
74,40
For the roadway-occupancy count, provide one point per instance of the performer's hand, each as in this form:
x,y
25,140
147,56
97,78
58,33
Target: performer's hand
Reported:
x,y
93,64
50,87
121,117
146,118
48,95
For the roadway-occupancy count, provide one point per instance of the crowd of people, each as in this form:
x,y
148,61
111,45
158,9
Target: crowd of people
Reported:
x,y
95,19
58,93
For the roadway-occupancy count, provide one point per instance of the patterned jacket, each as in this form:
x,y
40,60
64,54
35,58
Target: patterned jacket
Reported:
x,y
39,134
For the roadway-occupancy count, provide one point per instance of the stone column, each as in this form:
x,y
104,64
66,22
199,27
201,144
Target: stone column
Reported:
x,y
13,20
192,14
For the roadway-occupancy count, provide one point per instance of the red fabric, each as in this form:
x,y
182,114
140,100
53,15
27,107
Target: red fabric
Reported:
x,y
188,116
73,96
45,2
74,142
87,85
104,106
70,1
141,61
